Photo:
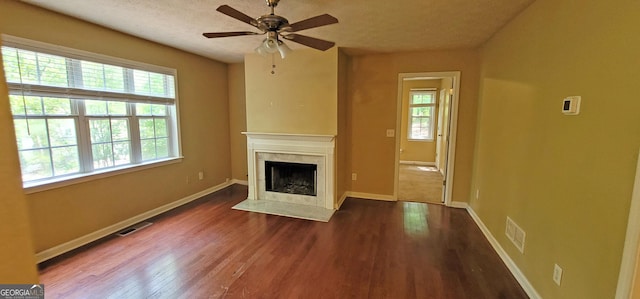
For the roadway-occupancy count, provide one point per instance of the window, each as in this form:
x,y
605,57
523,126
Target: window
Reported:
x,y
77,113
421,114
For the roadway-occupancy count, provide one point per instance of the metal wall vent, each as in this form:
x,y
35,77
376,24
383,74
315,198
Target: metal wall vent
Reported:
x,y
132,229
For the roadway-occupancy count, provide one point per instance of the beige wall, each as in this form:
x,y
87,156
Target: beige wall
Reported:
x,y
373,92
16,248
63,214
417,150
237,121
295,99
566,180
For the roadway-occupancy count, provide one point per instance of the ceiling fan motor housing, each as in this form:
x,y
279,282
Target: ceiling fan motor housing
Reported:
x,y
273,23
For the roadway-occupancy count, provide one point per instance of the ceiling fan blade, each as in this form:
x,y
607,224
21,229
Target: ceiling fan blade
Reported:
x,y
227,34
312,42
236,14
316,21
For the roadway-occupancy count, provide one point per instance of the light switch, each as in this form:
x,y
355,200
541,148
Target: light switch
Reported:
x,y
391,132
571,105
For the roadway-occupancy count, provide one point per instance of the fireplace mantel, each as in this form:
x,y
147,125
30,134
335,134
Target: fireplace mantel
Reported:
x,y
320,147
289,137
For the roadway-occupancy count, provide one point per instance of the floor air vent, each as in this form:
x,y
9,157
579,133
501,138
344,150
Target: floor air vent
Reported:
x,y
132,229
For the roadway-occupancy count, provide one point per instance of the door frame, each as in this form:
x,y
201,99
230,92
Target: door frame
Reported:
x,y
441,97
630,263
453,128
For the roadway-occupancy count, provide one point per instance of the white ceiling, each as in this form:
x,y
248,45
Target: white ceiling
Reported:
x,y
365,26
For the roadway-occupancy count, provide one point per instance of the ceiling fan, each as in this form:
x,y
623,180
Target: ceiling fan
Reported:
x,y
277,27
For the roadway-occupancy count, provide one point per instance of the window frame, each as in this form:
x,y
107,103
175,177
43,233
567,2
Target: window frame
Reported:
x,y
47,118
410,117
82,121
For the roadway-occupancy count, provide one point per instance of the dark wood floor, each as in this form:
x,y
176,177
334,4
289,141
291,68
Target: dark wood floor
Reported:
x,y
369,249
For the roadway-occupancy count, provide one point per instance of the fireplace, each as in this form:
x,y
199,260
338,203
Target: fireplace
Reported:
x,y
291,169
292,178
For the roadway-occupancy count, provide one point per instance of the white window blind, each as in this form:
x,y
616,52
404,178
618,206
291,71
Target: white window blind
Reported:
x,y
42,74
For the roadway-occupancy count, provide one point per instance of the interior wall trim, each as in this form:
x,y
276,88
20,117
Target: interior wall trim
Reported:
x,y
631,243
459,205
506,259
101,233
373,196
418,163
240,182
341,200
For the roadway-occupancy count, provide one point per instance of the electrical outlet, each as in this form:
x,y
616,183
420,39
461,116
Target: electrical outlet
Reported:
x,y
557,274
188,180
201,175
354,176
391,132
477,194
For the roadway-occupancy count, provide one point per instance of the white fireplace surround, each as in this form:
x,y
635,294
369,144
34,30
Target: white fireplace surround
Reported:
x,y
296,148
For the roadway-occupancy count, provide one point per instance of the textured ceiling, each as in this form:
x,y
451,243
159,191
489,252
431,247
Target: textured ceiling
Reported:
x,y
364,26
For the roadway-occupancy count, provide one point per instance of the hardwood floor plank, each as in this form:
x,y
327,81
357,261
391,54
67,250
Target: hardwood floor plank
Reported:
x,y
369,249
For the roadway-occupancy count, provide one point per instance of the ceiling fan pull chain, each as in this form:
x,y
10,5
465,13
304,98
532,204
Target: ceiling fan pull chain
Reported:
x,y
273,64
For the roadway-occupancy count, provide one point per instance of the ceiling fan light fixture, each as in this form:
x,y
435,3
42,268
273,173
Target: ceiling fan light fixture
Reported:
x,y
267,46
283,49
272,45
261,50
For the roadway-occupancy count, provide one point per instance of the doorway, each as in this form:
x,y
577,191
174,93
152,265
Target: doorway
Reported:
x,y
426,125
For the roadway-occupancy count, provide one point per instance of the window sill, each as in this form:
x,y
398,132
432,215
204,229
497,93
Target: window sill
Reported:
x,y
34,187
421,140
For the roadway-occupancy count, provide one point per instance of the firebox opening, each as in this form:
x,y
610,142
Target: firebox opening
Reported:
x,y
293,178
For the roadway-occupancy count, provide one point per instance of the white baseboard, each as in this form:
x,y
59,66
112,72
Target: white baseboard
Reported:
x,y
240,182
418,163
520,277
341,200
101,233
370,196
459,204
